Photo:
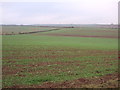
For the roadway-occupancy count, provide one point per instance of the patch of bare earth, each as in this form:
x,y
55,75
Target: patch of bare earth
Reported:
x,y
106,81
7,70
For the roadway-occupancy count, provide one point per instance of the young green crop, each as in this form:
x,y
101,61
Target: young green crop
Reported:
x,y
33,59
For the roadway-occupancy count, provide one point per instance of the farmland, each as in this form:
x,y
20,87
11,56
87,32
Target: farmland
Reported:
x,y
80,57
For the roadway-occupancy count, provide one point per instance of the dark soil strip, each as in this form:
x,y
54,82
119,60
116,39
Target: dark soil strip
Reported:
x,y
83,36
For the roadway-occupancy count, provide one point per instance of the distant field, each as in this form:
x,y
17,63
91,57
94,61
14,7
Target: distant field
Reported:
x,y
19,29
68,57
85,32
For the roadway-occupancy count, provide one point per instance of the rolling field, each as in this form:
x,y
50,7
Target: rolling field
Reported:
x,y
83,57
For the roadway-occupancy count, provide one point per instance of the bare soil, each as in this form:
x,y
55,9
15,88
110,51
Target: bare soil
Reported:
x,y
106,81
83,36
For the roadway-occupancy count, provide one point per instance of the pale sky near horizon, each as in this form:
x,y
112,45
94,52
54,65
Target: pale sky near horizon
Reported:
x,y
59,12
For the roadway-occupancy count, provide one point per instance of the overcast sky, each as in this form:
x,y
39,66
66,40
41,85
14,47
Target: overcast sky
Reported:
x,y
59,12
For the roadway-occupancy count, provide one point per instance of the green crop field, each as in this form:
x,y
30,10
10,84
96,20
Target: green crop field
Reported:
x,y
85,57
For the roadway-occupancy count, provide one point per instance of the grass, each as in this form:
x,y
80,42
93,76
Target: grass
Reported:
x,y
37,58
